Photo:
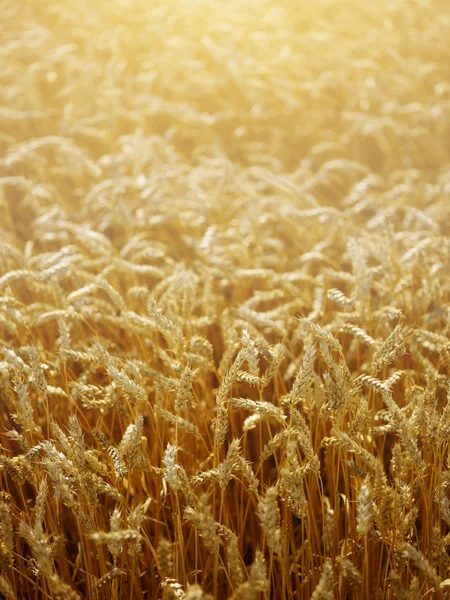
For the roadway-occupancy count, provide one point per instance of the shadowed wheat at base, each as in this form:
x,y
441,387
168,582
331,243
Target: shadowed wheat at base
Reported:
x,y
224,300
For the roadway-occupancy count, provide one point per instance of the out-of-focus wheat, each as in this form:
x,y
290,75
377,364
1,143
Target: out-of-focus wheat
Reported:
x,y
224,299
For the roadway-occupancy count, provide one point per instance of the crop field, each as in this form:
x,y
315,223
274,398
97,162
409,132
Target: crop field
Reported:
x,y
224,299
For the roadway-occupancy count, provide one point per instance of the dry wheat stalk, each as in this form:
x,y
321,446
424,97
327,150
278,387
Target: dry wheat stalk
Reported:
x,y
224,282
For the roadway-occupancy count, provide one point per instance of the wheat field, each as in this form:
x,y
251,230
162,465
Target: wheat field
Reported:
x,y
224,299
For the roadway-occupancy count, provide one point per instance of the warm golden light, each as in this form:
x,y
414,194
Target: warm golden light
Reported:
x,y
224,299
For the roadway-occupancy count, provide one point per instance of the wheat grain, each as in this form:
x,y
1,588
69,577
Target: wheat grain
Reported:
x,y
224,275
270,516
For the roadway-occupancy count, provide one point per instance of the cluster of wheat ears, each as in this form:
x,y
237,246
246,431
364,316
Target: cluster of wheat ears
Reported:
x,y
224,299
